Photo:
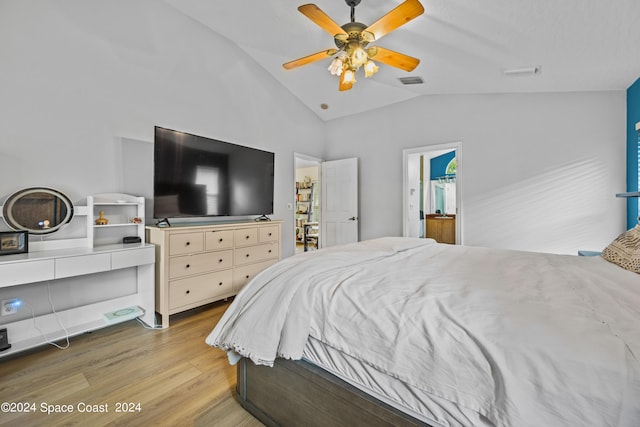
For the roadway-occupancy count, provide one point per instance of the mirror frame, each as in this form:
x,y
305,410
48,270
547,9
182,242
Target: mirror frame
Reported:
x,y
10,220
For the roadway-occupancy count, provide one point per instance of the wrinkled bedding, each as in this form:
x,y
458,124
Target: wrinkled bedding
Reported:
x,y
520,338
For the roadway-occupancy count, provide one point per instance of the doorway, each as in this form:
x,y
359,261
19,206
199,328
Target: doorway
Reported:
x,y
307,202
432,192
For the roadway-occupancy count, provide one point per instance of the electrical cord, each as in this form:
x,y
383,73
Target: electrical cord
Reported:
x,y
144,325
53,309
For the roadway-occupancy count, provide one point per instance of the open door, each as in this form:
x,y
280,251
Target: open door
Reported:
x,y
432,192
307,207
339,219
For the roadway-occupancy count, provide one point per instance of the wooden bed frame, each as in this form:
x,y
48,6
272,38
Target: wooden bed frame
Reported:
x,y
299,393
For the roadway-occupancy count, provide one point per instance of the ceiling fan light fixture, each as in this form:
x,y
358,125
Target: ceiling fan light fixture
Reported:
x,y
358,56
370,68
352,39
336,66
349,76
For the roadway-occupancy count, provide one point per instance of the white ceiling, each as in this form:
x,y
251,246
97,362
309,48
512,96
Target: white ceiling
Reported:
x,y
463,45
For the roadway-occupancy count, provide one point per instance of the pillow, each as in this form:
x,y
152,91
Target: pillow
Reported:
x,y
625,250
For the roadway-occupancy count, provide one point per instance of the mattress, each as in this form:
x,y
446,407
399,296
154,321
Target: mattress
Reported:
x,y
417,403
522,339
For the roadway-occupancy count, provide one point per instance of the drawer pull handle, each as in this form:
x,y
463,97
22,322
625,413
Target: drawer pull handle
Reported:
x,y
188,243
220,284
220,241
269,250
247,276
220,260
269,234
247,255
246,237
188,291
188,265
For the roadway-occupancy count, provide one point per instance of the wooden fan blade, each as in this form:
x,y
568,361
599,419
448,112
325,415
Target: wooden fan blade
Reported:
x,y
395,59
309,59
402,14
345,86
321,19
342,86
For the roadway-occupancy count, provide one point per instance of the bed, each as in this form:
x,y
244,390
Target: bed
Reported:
x,y
401,331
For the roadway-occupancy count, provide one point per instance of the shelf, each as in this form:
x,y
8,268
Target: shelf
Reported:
x,y
124,224
114,204
118,209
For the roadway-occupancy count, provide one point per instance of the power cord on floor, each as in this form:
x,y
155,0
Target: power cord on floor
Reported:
x,y
144,325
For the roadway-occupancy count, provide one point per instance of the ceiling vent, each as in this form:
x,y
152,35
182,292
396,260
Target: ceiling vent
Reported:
x,y
411,80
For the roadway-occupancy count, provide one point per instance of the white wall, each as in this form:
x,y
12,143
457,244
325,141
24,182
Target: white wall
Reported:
x,y
540,170
81,82
311,171
77,77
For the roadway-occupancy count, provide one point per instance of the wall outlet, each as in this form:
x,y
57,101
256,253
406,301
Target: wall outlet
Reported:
x,y
9,306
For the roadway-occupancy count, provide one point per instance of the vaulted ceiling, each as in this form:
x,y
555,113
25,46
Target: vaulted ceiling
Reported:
x,y
464,46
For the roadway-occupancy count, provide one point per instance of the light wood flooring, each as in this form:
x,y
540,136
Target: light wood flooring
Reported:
x,y
176,378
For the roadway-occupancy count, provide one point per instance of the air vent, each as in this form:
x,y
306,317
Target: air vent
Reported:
x,y
523,71
411,80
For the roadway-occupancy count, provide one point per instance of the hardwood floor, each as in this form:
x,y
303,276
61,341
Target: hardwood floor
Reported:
x,y
167,377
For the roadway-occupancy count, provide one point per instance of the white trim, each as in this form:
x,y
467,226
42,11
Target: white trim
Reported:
x,y
459,174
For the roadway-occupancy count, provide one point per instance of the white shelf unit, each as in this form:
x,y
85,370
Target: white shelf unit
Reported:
x,y
119,209
100,252
53,265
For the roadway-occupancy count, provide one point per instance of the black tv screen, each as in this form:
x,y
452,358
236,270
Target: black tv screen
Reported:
x,y
196,176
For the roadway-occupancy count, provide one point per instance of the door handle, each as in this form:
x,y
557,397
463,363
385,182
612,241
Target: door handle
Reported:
x,y
353,218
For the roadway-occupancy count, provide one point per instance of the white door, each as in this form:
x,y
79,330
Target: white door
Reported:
x,y
339,219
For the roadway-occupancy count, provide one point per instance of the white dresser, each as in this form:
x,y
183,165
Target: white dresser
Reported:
x,y
200,264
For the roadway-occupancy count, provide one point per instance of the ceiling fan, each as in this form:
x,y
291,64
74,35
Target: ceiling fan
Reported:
x,y
352,39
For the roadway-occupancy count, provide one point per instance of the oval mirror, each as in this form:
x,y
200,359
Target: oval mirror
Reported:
x,y
37,210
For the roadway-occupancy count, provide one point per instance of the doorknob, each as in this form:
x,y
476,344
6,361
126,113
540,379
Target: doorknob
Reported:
x,y
353,218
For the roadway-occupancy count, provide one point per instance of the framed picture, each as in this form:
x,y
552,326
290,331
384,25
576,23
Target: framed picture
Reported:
x,y
14,242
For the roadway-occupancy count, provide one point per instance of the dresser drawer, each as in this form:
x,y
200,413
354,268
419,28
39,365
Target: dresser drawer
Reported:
x,y
268,234
215,240
186,243
246,236
242,275
199,263
198,289
256,253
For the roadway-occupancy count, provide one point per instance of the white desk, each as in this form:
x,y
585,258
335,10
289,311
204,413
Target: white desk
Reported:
x,y
51,265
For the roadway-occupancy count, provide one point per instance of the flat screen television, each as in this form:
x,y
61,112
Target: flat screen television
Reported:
x,y
196,176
